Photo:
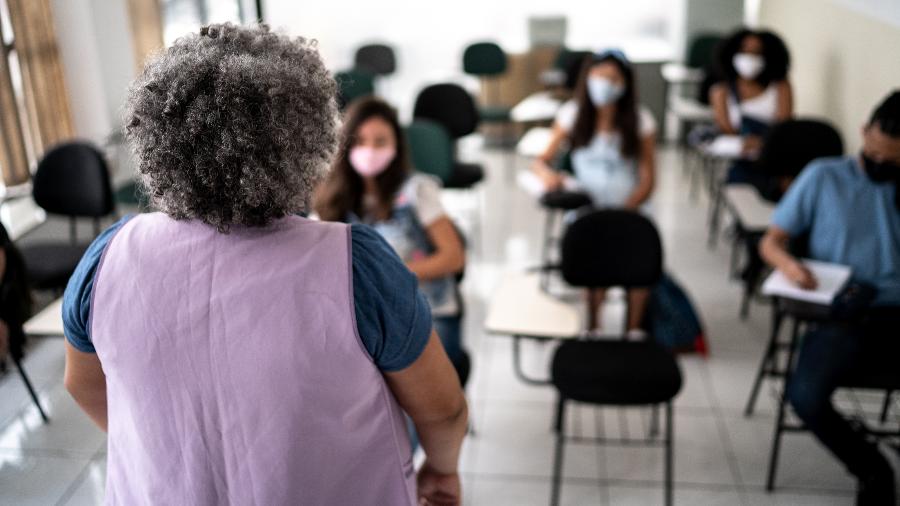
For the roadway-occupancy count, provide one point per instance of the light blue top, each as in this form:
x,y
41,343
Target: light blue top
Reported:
x,y
850,220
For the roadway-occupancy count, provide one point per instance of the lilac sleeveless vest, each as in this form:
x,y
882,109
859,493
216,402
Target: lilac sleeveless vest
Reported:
x,y
234,371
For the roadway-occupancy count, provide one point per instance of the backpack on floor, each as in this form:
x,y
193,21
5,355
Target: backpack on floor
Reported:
x,y
672,320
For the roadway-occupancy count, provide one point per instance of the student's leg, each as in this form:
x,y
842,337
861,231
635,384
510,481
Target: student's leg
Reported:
x,y
595,298
827,353
449,330
637,305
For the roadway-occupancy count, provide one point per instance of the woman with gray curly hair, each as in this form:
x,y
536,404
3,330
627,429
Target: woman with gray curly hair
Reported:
x,y
236,352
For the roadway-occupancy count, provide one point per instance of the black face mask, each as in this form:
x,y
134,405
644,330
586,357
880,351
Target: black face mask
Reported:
x,y
880,172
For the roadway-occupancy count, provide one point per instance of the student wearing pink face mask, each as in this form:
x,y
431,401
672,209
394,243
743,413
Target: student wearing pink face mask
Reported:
x,y
371,182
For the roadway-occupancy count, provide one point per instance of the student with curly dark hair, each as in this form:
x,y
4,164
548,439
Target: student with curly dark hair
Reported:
x,y
235,352
754,93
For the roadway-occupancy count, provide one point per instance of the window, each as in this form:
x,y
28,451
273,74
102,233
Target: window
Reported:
x,y
184,16
34,106
16,152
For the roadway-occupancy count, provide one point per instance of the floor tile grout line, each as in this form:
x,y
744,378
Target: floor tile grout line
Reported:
x,y
724,437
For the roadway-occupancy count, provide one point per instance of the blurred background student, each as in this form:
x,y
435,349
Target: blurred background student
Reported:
x,y
611,141
754,94
372,182
847,210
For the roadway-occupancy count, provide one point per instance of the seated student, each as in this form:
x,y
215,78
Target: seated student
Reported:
x,y
15,300
371,181
753,95
850,209
612,141
235,352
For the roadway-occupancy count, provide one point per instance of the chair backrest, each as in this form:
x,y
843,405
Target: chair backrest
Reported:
x,y
353,84
431,148
450,105
377,59
570,63
611,247
789,146
484,59
701,50
73,179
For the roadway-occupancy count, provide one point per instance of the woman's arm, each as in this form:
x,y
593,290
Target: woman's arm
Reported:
x,y
551,178
85,381
785,108
430,393
773,249
646,173
448,257
718,99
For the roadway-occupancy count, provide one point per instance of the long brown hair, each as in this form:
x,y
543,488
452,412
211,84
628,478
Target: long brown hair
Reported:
x,y
626,107
342,191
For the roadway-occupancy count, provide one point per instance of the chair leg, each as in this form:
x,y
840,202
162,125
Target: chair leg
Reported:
x,y
886,407
654,421
715,211
558,457
767,362
670,456
779,420
546,245
30,389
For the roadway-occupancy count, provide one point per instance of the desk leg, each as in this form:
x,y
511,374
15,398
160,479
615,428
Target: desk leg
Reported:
x,y
517,365
30,388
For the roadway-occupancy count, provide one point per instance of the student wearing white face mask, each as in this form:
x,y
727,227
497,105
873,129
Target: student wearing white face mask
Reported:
x,y
753,95
612,142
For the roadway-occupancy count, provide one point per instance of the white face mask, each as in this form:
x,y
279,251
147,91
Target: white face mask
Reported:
x,y
602,91
748,65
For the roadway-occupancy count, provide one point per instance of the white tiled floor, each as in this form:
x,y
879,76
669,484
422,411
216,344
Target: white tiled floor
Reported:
x,y
721,456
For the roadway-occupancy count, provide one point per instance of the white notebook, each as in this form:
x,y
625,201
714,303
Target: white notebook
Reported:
x,y
727,146
831,279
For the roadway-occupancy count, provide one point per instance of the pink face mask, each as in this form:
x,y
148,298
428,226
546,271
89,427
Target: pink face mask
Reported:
x,y
369,162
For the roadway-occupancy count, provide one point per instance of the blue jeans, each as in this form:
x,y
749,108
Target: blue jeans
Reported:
x,y
449,330
828,354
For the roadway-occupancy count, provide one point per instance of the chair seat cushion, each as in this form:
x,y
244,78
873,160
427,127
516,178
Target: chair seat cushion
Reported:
x,y
50,265
565,200
464,175
616,372
494,114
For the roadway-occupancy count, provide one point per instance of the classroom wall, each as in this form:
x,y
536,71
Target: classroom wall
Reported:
x,y
430,36
844,61
95,44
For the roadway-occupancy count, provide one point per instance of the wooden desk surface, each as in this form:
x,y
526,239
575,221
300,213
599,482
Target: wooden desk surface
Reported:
x,y
519,307
751,210
48,322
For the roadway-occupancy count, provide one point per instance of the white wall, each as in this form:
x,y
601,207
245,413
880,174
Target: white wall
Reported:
x,y
430,36
98,63
843,60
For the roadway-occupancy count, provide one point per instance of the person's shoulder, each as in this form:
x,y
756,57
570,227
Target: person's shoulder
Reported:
x,y
646,120
831,166
828,170
420,180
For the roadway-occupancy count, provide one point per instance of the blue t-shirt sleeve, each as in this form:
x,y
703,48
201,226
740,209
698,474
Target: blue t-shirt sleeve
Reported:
x,y
795,213
76,307
392,315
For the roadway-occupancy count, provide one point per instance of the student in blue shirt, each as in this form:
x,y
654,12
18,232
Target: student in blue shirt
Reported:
x,y
850,210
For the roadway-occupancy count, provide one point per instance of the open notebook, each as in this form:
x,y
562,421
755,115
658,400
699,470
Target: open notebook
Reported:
x,y
831,278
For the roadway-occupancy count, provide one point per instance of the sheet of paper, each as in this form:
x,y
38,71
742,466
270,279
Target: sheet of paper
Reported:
x,y
728,146
831,279
533,185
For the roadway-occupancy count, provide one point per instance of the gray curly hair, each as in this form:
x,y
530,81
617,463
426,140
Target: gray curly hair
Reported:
x,y
233,126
